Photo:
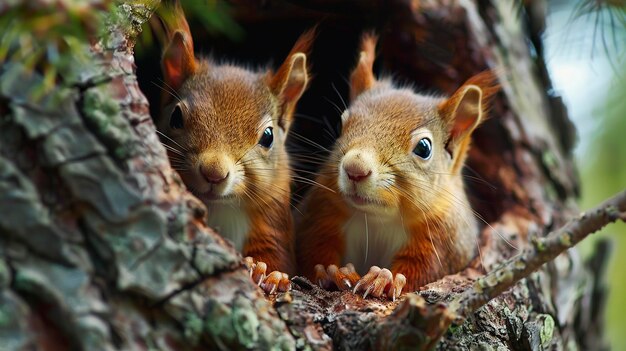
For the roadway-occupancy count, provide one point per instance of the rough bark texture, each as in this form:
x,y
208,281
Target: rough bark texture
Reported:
x,y
102,248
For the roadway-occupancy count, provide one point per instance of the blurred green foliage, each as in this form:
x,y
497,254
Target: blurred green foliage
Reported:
x,y
49,37
603,173
215,16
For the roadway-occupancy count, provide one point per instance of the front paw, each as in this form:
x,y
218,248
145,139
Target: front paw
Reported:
x,y
342,278
272,283
380,282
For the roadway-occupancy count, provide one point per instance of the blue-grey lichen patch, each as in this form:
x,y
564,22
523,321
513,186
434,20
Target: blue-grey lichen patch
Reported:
x,y
26,219
37,124
147,260
212,257
67,288
94,331
14,334
177,222
102,115
71,294
97,182
69,143
21,85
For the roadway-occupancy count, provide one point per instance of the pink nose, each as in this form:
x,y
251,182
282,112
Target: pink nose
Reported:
x,y
213,175
356,172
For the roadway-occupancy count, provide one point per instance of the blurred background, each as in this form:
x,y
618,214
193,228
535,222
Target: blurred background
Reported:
x,y
585,46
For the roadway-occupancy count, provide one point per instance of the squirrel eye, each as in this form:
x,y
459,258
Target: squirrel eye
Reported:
x,y
176,119
267,139
424,148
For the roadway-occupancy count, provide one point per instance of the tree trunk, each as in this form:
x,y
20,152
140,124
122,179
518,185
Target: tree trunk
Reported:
x,y
103,249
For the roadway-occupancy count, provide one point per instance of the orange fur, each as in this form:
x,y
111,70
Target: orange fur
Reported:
x,y
225,111
425,198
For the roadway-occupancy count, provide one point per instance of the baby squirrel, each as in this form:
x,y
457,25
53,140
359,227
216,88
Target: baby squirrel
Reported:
x,y
397,198
224,128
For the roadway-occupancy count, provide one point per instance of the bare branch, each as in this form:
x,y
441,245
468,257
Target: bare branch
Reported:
x,y
543,250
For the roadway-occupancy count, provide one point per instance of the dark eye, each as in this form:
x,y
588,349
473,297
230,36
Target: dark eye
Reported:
x,y
176,119
424,148
267,139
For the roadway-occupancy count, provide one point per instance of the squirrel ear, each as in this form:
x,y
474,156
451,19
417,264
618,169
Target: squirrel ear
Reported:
x,y
461,114
294,79
362,77
291,79
463,111
178,61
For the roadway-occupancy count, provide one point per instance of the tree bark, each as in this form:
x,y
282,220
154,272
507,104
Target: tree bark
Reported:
x,y
103,249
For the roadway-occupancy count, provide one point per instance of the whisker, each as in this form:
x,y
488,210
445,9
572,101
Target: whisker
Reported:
x,y
172,140
312,182
345,106
419,183
339,110
308,141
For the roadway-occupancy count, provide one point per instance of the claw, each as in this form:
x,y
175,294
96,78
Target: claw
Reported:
x,y
380,283
284,284
332,276
369,289
356,287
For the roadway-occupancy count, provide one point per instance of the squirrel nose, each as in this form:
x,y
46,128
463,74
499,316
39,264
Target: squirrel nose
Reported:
x,y
356,172
213,175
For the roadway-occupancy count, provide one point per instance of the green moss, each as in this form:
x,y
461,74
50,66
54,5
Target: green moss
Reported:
x,y
566,240
538,244
102,114
245,322
547,330
218,321
193,328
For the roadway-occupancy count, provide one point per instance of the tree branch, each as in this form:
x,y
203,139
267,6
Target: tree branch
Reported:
x,y
543,250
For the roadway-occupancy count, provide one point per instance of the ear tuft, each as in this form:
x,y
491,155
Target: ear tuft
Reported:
x,y
362,77
178,61
291,79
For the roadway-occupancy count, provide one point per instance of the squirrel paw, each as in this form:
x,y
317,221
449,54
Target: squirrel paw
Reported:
x,y
380,282
343,278
272,283
276,282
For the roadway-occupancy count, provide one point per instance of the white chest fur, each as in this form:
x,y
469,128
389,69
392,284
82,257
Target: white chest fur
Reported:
x,y
231,221
372,240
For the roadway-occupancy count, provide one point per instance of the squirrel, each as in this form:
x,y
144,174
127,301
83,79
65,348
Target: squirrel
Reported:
x,y
224,129
392,193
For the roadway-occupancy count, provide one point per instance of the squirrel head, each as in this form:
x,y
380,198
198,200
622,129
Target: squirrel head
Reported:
x,y
399,149
225,126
